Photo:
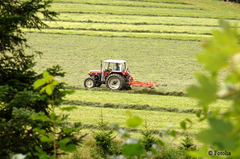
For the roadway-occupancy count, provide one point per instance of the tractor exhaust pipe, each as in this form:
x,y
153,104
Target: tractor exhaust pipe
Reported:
x,y
101,70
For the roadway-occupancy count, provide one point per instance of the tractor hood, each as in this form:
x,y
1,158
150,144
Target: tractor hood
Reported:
x,y
94,72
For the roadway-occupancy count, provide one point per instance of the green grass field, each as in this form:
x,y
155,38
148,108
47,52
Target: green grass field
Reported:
x,y
159,40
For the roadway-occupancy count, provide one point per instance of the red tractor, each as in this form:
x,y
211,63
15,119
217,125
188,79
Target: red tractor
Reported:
x,y
115,75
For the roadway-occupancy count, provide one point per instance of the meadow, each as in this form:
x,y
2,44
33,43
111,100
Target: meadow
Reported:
x,y
159,40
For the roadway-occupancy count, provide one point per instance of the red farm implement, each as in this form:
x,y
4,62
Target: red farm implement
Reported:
x,y
115,75
134,83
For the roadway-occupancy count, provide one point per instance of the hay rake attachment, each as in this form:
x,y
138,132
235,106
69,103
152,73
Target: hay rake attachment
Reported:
x,y
134,83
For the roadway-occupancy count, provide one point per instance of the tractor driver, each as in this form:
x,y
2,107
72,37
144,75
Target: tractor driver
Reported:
x,y
117,67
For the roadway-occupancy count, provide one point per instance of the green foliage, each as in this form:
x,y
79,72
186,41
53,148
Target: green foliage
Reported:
x,y
221,53
18,100
29,127
133,120
63,139
183,123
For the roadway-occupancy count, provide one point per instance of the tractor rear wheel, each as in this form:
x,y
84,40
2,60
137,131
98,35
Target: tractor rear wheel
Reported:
x,y
115,82
89,82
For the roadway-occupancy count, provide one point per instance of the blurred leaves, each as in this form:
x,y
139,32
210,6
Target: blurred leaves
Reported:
x,y
206,91
47,79
217,51
222,53
133,120
220,133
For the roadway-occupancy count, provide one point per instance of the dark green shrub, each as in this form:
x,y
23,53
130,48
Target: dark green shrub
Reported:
x,y
105,144
148,140
104,139
187,144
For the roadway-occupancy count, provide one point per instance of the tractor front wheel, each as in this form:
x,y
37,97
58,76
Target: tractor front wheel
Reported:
x,y
115,82
89,82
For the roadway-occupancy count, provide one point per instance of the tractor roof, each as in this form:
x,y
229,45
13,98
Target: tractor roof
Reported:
x,y
115,61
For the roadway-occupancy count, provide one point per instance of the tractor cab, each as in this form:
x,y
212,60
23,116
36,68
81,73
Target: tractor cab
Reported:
x,y
112,66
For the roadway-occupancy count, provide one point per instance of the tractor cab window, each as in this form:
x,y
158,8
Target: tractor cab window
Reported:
x,y
107,66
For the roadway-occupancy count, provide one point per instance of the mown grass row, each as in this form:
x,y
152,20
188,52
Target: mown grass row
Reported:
x,y
135,90
167,36
149,15
131,4
132,23
129,106
163,1
128,1
130,31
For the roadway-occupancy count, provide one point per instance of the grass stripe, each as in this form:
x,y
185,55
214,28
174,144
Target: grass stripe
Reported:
x,y
129,106
90,34
131,1
181,37
133,23
113,3
145,91
161,1
149,15
130,31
